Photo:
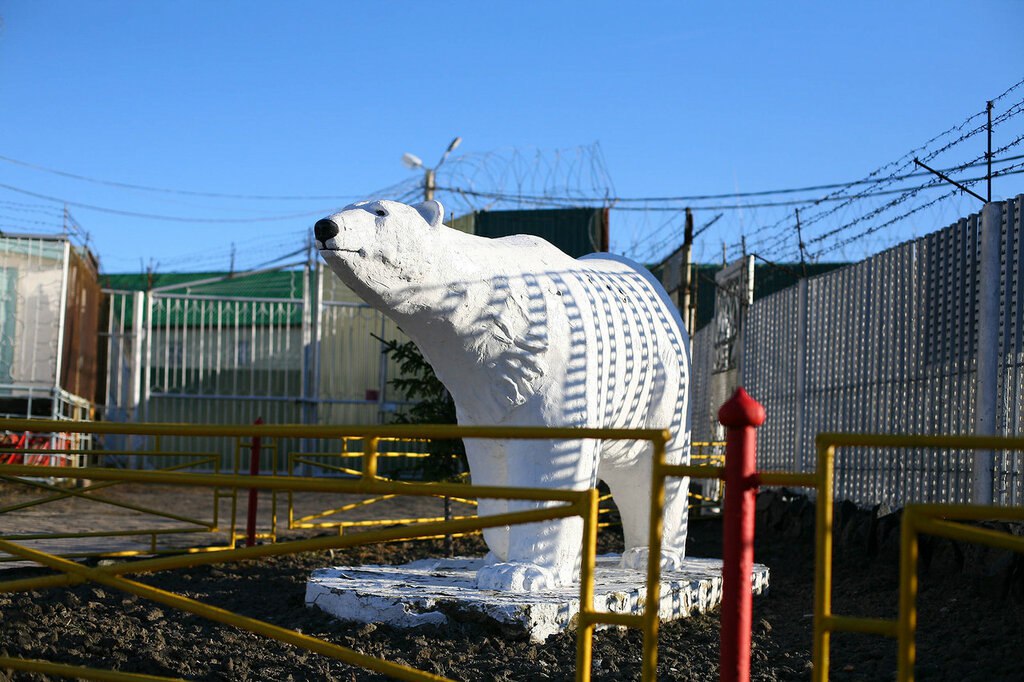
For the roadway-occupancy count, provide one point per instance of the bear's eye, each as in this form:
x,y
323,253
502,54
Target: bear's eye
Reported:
x,y
381,212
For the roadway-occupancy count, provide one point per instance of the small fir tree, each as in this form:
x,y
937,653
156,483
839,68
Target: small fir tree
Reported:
x,y
433,404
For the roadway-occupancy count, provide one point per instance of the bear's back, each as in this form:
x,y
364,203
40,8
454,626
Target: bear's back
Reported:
x,y
642,358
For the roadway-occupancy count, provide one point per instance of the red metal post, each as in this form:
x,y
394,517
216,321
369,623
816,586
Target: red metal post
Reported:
x,y
741,414
254,470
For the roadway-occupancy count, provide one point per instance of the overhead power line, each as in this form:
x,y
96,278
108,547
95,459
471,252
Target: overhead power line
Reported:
x,y
185,192
906,161
156,216
695,198
780,235
719,207
55,223
833,213
1011,170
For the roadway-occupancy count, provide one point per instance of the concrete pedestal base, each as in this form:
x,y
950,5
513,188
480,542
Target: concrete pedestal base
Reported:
x,y
432,591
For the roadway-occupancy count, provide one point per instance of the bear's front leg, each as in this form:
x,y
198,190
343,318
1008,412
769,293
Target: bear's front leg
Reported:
x,y
542,555
508,576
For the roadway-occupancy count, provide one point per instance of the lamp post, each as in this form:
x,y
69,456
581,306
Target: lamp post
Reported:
x,y
430,180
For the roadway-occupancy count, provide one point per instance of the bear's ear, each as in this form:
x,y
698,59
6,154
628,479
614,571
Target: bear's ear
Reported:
x,y
432,211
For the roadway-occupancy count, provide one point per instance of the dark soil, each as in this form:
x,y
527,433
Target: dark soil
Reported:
x,y
969,622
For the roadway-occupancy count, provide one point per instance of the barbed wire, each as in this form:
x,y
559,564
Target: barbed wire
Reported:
x,y
833,216
905,196
855,197
900,165
772,237
907,214
526,177
566,202
685,200
907,160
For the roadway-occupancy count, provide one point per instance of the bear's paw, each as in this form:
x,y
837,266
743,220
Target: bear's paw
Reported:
x,y
636,559
515,577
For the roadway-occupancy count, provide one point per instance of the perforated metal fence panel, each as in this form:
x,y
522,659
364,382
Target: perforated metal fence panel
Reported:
x,y
704,418
891,345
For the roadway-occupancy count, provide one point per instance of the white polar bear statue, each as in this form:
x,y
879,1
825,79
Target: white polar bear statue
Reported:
x,y
523,335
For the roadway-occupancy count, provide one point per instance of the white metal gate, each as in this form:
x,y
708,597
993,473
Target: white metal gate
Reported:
x,y
175,355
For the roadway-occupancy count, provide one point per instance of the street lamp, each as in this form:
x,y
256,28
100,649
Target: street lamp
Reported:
x,y
412,161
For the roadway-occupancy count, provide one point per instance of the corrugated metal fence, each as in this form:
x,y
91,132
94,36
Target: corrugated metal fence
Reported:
x,y
893,344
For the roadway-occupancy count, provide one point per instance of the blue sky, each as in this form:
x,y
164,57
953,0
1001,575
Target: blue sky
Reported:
x,y
321,99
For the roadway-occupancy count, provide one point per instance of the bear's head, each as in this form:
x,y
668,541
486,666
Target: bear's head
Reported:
x,y
383,250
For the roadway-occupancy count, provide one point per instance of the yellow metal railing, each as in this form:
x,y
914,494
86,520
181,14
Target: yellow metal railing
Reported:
x,y
709,500
88,493
710,453
917,518
316,519
583,503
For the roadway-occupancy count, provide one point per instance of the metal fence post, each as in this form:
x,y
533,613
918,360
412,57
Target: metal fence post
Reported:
x,y
800,462
254,470
307,355
988,348
741,414
136,359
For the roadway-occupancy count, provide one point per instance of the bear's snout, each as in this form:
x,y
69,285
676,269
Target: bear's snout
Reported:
x,y
325,229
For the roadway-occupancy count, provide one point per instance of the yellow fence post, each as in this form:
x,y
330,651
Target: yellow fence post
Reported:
x,y
823,563
585,628
907,621
370,458
652,606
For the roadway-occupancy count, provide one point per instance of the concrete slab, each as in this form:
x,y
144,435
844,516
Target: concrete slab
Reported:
x,y
432,591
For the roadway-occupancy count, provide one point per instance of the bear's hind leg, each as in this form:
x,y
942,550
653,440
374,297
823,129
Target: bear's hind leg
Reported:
x,y
629,479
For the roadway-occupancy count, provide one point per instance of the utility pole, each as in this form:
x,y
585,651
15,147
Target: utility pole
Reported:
x,y
800,241
430,174
684,274
691,320
988,154
430,184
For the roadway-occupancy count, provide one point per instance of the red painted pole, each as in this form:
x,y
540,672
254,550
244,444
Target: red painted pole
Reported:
x,y
741,414
254,470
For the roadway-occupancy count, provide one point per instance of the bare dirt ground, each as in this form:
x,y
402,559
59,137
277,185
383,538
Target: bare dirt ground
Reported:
x,y
969,624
